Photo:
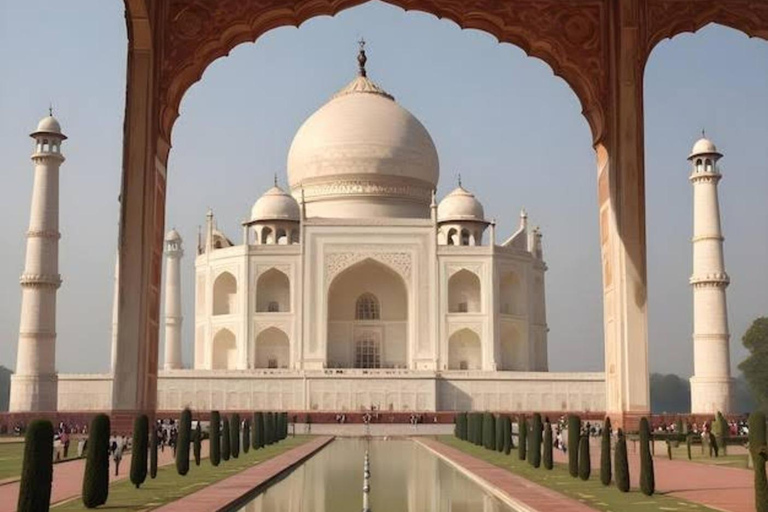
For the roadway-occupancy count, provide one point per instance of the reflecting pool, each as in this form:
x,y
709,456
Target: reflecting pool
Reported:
x,y
404,477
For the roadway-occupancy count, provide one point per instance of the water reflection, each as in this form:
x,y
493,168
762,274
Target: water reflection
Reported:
x,y
404,477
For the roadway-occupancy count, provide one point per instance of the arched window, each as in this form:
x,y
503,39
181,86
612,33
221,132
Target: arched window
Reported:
x,y
282,237
266,236
224,355
367,352
464,292
464,351
273,292
225,294
699,165
708,165
451,238
367,307
464,237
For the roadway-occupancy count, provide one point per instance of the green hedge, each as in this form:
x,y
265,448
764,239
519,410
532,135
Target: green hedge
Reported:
x,y
246,435
259,436
759,452
182,442
522,437
499,433
215,438
139,450
548,458
226,445
574,435
234,435
621,462
605,453
96,478
534,449
198,443
647,479
585,464
269,429
506,427
489,431
37,469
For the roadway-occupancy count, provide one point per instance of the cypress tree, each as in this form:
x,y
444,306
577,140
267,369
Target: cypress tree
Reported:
x,y
679,432
37,469
226,446
215,438
285,424
139,450
182,442
462,424
549,462
471,427
499,433
534,451
234,436
479,429
574,434
585,464
759,453
605,453
522,437
489,431
456,426
153,454
722,432
268,430
255,436
258,430
198,444
96,478
621,463
688,443
246,435
506,424
647,480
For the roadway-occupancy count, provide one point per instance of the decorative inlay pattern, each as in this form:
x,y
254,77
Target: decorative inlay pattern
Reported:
x,y
285,269
337,262
474,268
40,280
371,187
55,235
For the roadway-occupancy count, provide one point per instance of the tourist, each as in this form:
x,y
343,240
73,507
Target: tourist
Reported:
x,y
117,453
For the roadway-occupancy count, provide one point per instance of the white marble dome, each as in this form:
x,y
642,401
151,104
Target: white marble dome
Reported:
x,y
363,155
172,236
275,204
460,205
49,124
704,146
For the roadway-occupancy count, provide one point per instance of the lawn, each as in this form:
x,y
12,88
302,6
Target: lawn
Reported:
x,y
170,486
590,492
12,457
738,460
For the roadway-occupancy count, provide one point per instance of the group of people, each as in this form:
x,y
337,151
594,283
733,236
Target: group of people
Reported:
x,y
167,432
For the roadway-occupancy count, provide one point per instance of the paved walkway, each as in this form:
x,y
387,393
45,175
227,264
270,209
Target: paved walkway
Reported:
x,y
525,494
723,488
375,429
226,492
68,478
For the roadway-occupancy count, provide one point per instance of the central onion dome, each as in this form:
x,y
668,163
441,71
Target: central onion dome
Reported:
x,y
363,155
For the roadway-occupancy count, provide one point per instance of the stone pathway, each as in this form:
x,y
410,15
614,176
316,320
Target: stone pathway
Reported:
x,y
719,487
224,493
68,478
519,489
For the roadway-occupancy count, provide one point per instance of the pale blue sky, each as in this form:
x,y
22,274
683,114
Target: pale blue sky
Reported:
x,y
511,128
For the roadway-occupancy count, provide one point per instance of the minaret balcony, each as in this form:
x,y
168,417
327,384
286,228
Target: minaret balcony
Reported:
x,y
40,280
711,280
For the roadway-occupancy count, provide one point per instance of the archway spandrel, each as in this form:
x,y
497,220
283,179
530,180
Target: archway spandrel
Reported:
x,y
571,36
668,18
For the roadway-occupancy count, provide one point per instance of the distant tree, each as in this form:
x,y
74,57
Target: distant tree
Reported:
x,y
37,468
621,462
759,453
96,478
198,443
5,388
506,428
585,464
669,394
246,435
234,436
499,433
534,449
605,453
574,434
182,442
139,450
547,456
226,445
522,437
647,479
755,367
489,431
215,438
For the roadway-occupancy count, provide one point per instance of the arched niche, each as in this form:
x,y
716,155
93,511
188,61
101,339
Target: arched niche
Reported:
x,y
464,292
511,296
465,351
511,349
224,356
225,294
272,349
273,292
367,317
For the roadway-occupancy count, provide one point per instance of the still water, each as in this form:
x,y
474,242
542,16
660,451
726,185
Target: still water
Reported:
x,y
405,477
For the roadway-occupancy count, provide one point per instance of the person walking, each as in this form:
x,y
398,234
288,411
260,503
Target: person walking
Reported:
x,y
117,454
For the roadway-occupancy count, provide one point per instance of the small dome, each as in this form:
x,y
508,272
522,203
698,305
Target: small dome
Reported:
x,y
173,236
49,124
460,205
704,146
276,204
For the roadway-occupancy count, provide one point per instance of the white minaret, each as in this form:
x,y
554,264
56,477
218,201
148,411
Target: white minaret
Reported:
x,y
173,254
34,385
711,381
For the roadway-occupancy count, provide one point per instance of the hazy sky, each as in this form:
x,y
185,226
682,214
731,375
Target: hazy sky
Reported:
x,y
501,119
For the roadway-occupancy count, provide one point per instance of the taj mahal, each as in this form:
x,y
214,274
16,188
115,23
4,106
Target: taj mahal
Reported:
x,y
354,286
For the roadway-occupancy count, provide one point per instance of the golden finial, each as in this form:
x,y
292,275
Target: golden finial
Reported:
x,y
361,58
